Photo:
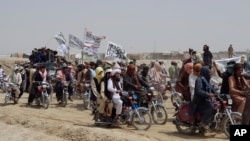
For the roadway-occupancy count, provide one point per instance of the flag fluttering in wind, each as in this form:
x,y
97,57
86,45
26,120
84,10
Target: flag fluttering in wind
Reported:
x,y
62,49
60,38
75,42
115,51
223,62
91,42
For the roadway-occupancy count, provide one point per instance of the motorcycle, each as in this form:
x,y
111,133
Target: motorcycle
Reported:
x,y
77,94
42,96
148,99
3,84
223,117
86,96
65,93
161,90
139,117
175,96
10,93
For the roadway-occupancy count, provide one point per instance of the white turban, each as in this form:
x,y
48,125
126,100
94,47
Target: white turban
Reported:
x,y
114,71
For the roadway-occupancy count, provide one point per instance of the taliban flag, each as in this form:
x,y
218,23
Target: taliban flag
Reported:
x,y
75,42
60,38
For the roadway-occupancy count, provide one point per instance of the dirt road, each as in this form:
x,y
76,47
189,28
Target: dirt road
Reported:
x,y
23,123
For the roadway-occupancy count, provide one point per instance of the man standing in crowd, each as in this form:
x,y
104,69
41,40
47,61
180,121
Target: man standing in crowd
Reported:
x,y
230,51
207,56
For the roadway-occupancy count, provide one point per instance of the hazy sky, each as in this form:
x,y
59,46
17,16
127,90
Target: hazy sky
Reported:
x,y
137,25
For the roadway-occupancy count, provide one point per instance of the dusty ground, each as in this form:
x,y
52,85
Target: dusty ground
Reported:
x,y
73,123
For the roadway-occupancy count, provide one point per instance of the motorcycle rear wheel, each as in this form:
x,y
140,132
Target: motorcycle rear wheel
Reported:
x,y
141,120
189,130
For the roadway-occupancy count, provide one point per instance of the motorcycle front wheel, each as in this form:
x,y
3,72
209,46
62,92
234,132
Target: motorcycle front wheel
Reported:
x,y
176,97
159,114
6,99
141,119
64,99
46,102
86,101
236,118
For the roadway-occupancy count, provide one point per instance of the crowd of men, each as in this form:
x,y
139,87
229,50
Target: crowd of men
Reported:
x,y
108,79
195,84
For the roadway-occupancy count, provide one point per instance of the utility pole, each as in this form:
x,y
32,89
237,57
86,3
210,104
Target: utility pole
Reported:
x,y
68,53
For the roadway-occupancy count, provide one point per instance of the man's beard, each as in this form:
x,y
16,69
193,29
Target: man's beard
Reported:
x,y
117,79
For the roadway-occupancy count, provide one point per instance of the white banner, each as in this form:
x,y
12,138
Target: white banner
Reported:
x,y
62,50
60,38
75,42
223,62
115,51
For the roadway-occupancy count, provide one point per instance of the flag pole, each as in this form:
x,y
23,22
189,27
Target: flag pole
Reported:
x,y
84,35
48,41
68,53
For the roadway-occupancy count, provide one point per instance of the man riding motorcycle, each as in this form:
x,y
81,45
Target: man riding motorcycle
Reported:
x,y
105,101
131,81
40,75
202,102
16,78
63,75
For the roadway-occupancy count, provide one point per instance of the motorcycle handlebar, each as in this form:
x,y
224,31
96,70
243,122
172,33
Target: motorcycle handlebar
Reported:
x,y
222,96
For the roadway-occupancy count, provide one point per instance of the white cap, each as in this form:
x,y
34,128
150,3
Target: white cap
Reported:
x,y
108,70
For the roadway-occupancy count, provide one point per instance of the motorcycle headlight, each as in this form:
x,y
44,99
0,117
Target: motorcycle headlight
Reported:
x,y
152,88
155,93
172,85
86,85
44,86
230,101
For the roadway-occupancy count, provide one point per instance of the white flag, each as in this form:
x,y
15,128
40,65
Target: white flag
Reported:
x,y
60,38
115,51
223,62
75,42
92,40
90,50
62,50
